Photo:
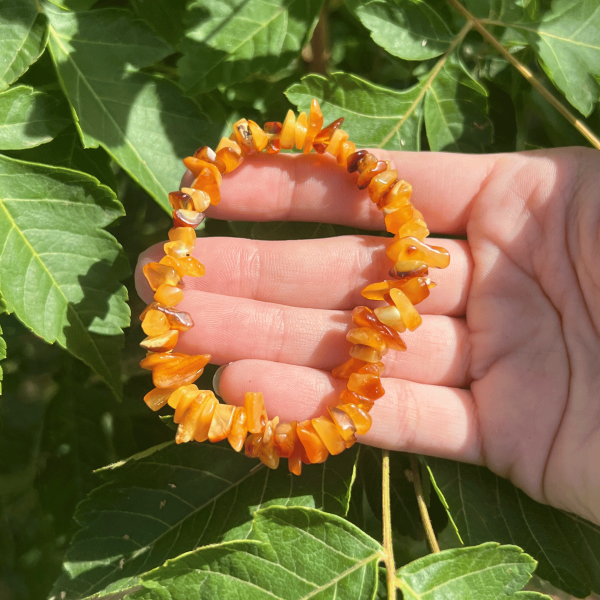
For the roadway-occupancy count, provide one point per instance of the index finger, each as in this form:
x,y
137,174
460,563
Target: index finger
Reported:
x,y
297,187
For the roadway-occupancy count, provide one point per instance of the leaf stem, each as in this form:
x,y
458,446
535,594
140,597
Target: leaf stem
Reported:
x,y
416,477
388,547
585,131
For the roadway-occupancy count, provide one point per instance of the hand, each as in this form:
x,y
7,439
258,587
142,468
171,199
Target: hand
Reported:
x,y
505,369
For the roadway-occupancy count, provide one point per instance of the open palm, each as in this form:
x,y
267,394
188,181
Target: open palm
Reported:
x,y
504,371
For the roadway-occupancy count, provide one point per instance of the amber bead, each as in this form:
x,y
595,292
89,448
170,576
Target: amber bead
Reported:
x,y
365,317
170,295
155,323
396,198
366,353
346,149
295,458
177,319
415,285
254,403
230,154
345,425
366,385
209,155
183,371
177,249
329,434
413,249
266,450
315,124
200,199
204,420
273,131
222,420
157,398
187,218
193,267
181,200
228,143
239,428
157,358
287,133
300,132
315,448
178,395
390,316
171,261
337,139
362,420
412,319
252,445
381,184
161,343
157,275
368,337
372,369
259,137
183,234
360,161
323,138
417,289
243,135
285,438
346,369
189,419
196,166
406,221
407,269
207,182
348,397
364,179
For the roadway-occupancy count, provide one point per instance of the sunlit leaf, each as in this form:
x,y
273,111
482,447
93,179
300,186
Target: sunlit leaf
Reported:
x,y
30,117
567,547
456,111
411,30
480,573
172,499
376,117
228,41
23,33
59,270
292,553
145,123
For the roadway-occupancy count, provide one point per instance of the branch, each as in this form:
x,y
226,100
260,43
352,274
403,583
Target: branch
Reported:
x,y
416,478
585,131
388,547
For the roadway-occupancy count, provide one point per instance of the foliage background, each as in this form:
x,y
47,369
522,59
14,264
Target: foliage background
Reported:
x,y
99,101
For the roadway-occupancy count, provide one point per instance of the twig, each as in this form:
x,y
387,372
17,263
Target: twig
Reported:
x,y
388,548
529,76
319,43
416,477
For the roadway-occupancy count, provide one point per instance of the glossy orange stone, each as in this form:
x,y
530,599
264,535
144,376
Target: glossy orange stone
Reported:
x,y
209,155
239,428
315,448
381,184
222,421
346,149
337,139
254,403
230,154
396,198
157,275
364,179
412,319
346,369
365,317
207,182
266,450
259,137
157,358
345,425
288,131
273,131
366,353
368,386
323,138
362,420
171,261
177,319
315,124
157,398
285,439
187,218
367,336
416,289
196,166
181,400
348,397
170,295
391,317
300,132
295,458
329,434
183,234
182,371
209,405
161,343
181,200
192,266
177,249
407,269
410,248
360,161
155,323
243,135
200,199
372,369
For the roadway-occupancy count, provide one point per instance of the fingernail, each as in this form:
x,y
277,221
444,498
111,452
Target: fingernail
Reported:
x,y
217,378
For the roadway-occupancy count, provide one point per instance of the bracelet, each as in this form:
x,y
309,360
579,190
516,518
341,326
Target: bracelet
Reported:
x,y
199,414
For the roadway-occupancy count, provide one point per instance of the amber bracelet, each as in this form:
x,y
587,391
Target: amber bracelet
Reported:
x,y
198,412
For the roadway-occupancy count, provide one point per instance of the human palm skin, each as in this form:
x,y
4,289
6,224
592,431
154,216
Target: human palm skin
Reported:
x,y
504,371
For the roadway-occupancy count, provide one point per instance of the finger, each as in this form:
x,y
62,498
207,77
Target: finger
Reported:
x,y
313,188
231,329
411,417
324,273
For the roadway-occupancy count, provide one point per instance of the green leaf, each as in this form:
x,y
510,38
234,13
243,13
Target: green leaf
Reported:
x,y
566,546
164,16
74,4
293,553
30,117
171,499
480,573
456,111
2,342
59,270
24,35
411,30
228,41
376,117
143,122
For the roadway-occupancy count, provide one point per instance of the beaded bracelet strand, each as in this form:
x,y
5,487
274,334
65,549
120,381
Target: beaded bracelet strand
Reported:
x,y
198,412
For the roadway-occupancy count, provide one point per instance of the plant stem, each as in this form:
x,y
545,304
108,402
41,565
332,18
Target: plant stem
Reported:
x,y
585,131
416,477
319,43
388,548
